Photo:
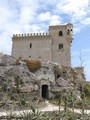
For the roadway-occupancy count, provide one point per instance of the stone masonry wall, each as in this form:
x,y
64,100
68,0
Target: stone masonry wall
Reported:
x,y
49,46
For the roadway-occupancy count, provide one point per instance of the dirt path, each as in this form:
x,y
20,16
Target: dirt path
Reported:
x,y
52,107
49,107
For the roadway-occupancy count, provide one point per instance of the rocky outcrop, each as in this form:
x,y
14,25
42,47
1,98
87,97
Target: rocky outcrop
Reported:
x,y
16,79
7,60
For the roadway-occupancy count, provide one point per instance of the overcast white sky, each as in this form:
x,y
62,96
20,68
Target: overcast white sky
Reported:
x,y
25,16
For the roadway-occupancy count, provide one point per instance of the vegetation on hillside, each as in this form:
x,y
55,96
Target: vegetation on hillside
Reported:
x,y
33,65
11,96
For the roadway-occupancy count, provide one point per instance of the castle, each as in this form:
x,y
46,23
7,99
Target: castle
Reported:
x,y
53,45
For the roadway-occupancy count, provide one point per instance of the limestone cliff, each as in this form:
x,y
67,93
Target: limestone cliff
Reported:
x,y
16,80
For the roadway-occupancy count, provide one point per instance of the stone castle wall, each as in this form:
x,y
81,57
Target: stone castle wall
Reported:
x,y
40,47
50,46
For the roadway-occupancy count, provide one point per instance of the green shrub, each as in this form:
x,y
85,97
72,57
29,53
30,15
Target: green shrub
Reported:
x,y
86,89
22,100
4,87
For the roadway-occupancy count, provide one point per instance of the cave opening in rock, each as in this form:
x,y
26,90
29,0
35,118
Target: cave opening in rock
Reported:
x,y
45,93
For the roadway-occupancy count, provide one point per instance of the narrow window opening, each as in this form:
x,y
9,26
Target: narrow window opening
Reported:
x,y
20,58
60,33
30,45
39,57
60,46
68,32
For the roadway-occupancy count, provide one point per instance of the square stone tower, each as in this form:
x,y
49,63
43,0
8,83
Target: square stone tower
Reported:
x,y
52,46
62,37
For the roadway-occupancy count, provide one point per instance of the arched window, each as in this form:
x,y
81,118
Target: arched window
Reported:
x,y
60,33
68,32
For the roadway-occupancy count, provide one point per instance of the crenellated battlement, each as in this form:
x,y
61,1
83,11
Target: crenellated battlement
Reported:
x,y
31,34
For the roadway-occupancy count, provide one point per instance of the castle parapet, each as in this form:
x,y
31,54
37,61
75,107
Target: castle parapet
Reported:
x,y
31,34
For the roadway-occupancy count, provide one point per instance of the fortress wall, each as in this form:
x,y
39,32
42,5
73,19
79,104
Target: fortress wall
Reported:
x,y
45,46
40,47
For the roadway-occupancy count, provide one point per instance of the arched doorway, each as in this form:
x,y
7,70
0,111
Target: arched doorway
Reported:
x,y
45,92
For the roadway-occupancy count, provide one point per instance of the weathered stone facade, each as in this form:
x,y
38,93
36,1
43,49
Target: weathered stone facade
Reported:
x,y
52,46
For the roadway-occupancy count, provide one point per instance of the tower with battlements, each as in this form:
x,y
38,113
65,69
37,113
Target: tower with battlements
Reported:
x,y
52,46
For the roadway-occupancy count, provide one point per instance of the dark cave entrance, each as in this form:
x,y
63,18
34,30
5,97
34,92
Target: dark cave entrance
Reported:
x,y
45,93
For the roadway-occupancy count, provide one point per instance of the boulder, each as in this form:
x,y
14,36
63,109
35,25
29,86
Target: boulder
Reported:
x,y
7,60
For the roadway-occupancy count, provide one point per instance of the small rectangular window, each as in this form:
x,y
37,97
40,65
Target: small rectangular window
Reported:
x,y
60,46
30,45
